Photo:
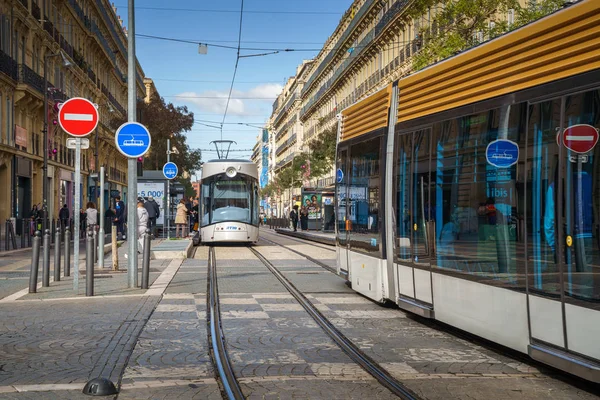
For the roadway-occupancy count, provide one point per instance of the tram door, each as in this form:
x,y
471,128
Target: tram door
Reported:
x,y
564,261
415,210
342,204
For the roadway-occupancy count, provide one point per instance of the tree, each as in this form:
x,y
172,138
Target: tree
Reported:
x,y
166,121
458,25
322,152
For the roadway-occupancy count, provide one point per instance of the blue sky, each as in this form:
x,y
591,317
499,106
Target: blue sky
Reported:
x,y
178,69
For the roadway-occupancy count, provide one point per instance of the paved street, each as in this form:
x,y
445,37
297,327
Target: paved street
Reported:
x,y
153,344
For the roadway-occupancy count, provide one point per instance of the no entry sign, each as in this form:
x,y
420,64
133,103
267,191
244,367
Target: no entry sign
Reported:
x,y
580,138
78,116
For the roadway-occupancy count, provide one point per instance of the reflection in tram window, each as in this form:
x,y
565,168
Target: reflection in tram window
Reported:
x,y
581,209
363,197
478,210
341,199
542,159
403,219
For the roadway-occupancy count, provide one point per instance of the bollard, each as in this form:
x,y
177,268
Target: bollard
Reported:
x,y
57,256
115,255
95,245
35,262
46,261
29,234
146,259
89,264
67,252
23,225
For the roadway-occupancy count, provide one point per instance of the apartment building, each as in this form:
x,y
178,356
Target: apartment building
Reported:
x,y
84,45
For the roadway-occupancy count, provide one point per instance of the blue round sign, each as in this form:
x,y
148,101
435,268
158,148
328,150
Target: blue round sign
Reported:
x,y
339,175
170,170
133,139
502,153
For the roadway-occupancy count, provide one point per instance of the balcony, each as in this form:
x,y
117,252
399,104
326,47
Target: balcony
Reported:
x,y
103,42
9,66
110,24
31,78
286,144
79,12
67,48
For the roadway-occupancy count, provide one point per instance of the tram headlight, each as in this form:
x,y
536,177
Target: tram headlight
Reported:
x,y
231,172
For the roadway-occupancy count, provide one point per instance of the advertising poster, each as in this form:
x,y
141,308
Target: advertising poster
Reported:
x,y
156,190
312,201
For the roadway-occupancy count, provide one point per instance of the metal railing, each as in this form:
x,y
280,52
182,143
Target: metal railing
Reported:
x,y
9,66
31,78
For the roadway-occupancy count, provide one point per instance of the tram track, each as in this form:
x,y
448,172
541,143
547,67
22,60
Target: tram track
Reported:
x,y
309,258
220,359
357,355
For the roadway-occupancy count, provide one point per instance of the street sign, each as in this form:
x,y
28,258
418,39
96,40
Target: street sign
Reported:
x,y
133,139
339,175
78,116
72,143
580,138
170,170
502,153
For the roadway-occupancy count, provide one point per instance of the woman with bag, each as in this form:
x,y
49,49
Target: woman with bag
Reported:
x,y
181,219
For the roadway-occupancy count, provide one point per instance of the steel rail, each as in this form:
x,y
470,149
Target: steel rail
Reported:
x,y
309,258
357,355
320,245
217,338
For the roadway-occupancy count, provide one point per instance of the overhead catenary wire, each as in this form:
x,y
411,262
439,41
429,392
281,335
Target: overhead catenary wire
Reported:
x,y
234,11
235,68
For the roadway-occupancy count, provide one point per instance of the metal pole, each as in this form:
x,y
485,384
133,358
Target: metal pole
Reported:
x,y
101,231
89,264
146,260
115,256
46,261
168,213
131,162
76,237
95,236
45,134
67,252
35,262
57,256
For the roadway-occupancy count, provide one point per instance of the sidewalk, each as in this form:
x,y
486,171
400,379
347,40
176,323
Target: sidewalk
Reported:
x,y
315,236
58,339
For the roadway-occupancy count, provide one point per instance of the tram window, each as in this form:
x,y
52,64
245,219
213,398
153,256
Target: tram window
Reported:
x,y
364,198
477,211
542,200
581,209
403,217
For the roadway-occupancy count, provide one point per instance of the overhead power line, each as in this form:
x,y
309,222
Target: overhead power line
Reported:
x,y
234,11
237,61
221,97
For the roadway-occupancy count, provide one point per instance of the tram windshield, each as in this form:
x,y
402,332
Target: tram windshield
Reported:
x,y
229,199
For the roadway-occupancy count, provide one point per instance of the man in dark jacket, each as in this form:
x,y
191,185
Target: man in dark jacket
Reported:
x,y
120,216
153,213
63,215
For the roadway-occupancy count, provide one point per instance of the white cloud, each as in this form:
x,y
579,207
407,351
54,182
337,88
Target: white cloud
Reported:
x,y
215,101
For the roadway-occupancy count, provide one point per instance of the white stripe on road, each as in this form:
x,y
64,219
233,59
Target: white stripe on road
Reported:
x,y
572,138
78,117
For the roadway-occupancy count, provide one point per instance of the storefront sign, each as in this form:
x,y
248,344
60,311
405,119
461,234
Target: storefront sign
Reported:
x,y
20,136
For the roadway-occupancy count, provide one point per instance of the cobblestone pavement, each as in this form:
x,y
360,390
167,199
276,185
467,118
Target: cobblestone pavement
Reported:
x,y
276,348
431,362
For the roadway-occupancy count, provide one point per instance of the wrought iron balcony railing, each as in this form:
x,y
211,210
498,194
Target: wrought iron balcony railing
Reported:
x,y
31,78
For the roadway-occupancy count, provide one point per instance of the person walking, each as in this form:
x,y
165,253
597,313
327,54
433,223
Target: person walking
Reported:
x,y
63,215
304,218
120,217
181,218
153,213
91,215
142,216
294,218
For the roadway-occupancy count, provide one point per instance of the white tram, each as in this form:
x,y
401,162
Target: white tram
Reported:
x,y
229,201
469,192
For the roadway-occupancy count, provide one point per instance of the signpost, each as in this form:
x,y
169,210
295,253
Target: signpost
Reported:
x,y
78,117
133,141
169,171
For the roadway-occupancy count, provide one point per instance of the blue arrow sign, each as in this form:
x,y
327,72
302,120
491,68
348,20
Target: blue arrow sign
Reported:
x,y
170,170
133,139
339,176
502,153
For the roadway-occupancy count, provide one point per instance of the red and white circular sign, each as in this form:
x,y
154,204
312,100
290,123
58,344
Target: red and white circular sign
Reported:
x,y
78,116
580,138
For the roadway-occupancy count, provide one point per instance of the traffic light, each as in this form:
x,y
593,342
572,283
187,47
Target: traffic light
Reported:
x,y
140,166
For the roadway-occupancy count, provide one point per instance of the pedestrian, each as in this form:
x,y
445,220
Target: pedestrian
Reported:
x,y
181,218
109,216
304,218
196,216
82,221
153,213
142,216
189,205
91,215
120,217
33,217
63,215
294,218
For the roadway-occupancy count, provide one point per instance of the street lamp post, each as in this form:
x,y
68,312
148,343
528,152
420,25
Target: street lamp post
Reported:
x,y
66,63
